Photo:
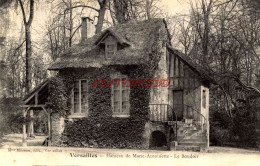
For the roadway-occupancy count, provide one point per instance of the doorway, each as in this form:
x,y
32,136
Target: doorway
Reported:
x,y
178,103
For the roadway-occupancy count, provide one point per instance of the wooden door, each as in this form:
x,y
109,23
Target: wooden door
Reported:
x,y
178,103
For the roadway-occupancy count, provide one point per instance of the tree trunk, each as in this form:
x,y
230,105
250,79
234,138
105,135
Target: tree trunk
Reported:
x,y
148,9
121,10
71,24
28,51
28,55
101,16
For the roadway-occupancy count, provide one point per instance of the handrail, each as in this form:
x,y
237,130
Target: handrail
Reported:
x,y
193,109
165,113
204,119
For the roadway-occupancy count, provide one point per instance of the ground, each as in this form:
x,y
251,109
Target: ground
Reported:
x,y
13,153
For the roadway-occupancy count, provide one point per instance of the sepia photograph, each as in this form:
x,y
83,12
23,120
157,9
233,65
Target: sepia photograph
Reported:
x,y
130,82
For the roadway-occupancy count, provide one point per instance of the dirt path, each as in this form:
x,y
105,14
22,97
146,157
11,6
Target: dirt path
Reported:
x,y
15,140
12,153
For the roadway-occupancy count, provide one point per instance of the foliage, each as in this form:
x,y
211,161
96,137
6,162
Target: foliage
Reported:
x,y
220,128
222,36
245,121
241,130
11,117
58,96
100,129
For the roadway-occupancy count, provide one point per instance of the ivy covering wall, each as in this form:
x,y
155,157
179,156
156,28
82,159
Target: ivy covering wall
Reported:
x,y
100,129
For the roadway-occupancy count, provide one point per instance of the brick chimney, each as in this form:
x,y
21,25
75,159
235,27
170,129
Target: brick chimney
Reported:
x,y
87,28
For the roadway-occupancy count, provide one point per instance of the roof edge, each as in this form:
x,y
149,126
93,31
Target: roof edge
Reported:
x,y
192,64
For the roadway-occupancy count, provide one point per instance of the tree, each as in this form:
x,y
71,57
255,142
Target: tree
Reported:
x,y
121,7
224,39
28,41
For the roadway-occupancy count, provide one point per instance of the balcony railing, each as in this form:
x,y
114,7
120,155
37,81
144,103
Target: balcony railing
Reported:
x,y
166,113
162,113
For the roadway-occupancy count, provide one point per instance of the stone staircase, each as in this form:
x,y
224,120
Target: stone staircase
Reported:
x,y
190,137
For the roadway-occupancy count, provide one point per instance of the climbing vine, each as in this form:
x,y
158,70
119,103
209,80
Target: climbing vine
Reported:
x,y
100,129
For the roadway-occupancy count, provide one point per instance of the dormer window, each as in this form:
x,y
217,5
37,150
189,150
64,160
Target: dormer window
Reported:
x,y
111,42
110,49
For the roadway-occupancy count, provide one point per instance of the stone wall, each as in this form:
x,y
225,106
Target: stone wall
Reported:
x,y
57,127
150,127
159,95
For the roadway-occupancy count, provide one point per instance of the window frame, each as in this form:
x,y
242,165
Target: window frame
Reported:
x,y
110,41
122,114
80,114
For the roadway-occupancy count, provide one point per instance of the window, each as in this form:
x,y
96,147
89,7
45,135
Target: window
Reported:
x,y
120,98
110,50
80,98
204,98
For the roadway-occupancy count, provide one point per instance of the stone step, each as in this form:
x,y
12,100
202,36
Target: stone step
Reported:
x,y
200,137
190,134
187,148
204,140
192,143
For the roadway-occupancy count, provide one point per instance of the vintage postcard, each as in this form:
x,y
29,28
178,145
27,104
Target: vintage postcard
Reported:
x,y
130,82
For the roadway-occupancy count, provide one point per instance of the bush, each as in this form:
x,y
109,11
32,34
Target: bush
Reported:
x,y
11,116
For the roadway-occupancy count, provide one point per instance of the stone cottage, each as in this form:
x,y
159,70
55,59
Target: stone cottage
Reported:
x,y
125,88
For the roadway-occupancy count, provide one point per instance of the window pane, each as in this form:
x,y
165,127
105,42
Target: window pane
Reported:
x,y
76,97
121,97
117,95
76,86
83,85
110,47
125,83
76,107
117,107
125,95
116,84
125,106
84,102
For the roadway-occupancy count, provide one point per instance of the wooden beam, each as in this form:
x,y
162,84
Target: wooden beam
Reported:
x,y
31,124
36,98
49,127
43,108
24,141
30,97
48,112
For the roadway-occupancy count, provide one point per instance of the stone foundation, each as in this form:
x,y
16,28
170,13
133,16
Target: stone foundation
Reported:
x,y
57,127
150,127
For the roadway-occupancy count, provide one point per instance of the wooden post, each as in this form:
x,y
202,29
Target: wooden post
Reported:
x,y
24,143
208,128
49,127
31,123
168,137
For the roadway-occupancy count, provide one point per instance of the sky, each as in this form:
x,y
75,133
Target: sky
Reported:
x,y
41,17
42,14
176,6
